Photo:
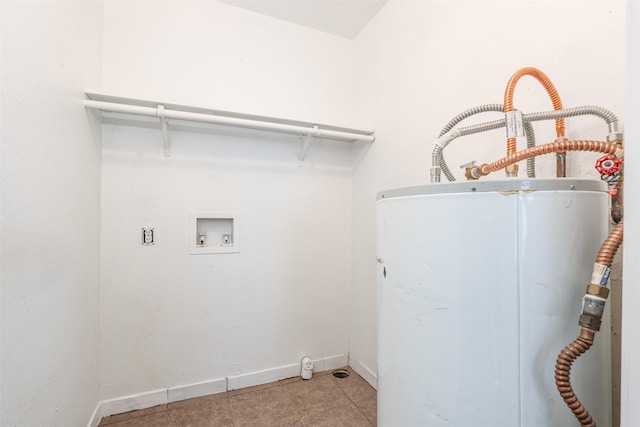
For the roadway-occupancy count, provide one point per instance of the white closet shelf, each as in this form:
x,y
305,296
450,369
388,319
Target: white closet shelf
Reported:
x,y
167,111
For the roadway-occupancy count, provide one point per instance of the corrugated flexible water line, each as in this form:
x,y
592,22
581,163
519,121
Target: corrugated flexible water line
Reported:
x,y
587,110
551,91
554,147
581,344
531,139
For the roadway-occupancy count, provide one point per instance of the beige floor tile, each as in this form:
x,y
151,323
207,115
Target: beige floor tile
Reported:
x,y
266,405
322,401
132,414
317,395
361,394
323,382
269,420
338,416
201,412
262,386
154,420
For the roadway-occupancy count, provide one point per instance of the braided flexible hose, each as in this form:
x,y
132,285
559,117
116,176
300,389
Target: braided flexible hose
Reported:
x,y
562,375
468,113
470,130
592,110
457,119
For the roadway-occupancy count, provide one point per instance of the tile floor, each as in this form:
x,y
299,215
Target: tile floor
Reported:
x,y
322,401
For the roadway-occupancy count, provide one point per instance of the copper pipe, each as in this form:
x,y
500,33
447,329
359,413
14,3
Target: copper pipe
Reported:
x,y
581,344
611,245
549,87
563,378
554,147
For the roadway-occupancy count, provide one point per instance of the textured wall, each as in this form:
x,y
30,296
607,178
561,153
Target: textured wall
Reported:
x,y
50,213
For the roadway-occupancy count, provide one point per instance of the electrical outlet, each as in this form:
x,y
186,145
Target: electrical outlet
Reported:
x,y
147,236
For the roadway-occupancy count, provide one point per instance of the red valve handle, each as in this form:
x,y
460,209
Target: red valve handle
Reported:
x,y
608,165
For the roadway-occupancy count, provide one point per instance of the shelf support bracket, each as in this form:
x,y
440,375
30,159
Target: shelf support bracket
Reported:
x,y
165,131
305,140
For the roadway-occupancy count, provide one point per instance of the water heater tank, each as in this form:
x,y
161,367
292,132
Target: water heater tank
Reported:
x,y
480,286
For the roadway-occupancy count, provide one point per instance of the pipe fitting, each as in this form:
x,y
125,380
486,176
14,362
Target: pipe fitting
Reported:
x,y
597,290
589,322
512,170
593,305
435,174
474,172
561,159
471,173
592,311
615,137
617,203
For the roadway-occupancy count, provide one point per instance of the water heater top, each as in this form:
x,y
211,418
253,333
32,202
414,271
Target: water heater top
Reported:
x,y
552,184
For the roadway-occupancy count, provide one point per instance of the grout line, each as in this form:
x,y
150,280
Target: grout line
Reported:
x,y
354,403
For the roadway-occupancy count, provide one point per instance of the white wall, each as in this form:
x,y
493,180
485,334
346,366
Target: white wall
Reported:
x,y
422,63
50,213
170,318
630,392
212,54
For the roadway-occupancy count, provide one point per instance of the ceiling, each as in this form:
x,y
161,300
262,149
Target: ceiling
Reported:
x,y
344,18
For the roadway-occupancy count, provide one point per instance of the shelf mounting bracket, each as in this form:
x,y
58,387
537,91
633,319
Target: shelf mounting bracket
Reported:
x,y
165,131
305,140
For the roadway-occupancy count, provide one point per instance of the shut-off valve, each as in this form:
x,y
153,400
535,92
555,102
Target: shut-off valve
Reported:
x,y
609,167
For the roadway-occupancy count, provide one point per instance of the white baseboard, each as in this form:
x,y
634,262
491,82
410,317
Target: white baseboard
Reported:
x,y
190,391
133,402
288,371
162,396
328,363
362,370
263,377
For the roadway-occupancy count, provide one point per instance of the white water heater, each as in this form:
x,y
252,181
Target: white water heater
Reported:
x,y
480,286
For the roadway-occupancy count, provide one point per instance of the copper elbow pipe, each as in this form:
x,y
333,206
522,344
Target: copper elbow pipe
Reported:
x,y
549,87
554,147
